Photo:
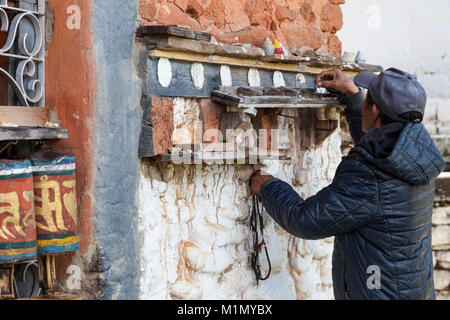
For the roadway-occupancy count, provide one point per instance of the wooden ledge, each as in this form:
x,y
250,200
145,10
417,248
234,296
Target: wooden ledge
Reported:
x,y
269,97
32,133
183,44
23,116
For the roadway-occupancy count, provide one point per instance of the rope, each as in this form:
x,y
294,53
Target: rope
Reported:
x,y
255,218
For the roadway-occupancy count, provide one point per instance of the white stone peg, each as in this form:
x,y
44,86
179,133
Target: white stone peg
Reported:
x,y
253,78
164,72
278,79
225,76
197,75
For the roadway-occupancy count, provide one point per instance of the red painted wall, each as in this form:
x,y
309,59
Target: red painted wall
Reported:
x,y
70,93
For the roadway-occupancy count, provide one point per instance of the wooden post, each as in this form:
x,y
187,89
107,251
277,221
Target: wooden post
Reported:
x,y
47,273
6,282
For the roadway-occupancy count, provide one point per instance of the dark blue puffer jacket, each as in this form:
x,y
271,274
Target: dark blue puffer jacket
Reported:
x,y
378,209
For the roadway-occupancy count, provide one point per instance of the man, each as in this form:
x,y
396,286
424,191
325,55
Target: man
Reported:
x,y
380,202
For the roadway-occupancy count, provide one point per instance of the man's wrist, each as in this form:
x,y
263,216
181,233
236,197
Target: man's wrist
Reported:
x,y
351,90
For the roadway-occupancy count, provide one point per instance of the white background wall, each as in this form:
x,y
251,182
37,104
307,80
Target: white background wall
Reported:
x,y
412,35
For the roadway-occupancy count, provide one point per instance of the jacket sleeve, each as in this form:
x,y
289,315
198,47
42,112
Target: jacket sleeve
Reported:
x,y
349,203
353,114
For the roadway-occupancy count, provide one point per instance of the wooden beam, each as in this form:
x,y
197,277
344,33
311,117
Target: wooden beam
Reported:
x,y
214,59
241,62
32,133
288,106
172,30
23,116
258,102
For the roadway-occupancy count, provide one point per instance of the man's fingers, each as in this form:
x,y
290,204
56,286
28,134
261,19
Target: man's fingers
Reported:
x,y
326,75
326,84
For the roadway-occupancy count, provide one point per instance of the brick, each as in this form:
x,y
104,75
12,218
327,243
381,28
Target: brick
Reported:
x,y
259,13
443,112
182,4
171,14
441,236
254,35
443,188
331,19
334,45
194,8
293,5
282,14
307,13
229,16
148,9
210,114
441,279
441,216
443,256
443,295
297,37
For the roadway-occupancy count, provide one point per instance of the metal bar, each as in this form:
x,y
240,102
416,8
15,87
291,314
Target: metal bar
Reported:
x,y
37,13
11,55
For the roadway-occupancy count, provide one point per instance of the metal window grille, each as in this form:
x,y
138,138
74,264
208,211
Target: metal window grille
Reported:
x,y
22,56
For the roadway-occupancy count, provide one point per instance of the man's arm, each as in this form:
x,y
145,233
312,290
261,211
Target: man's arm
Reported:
x,y
353,114
349,203
335,79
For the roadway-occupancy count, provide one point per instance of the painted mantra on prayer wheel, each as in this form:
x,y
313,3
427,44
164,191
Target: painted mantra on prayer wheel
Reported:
x,y
55,202
38,206
17,214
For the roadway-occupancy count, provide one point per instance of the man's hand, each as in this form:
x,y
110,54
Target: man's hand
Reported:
x,y
256,182
337,80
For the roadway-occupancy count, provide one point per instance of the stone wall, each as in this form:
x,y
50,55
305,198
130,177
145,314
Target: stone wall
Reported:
x,y
441,237
295,23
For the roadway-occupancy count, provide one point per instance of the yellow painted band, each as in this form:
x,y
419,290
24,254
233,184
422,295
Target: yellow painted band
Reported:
x,y
15,252
57,242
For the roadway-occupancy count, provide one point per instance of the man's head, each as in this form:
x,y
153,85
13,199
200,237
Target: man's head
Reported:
x,y
393,96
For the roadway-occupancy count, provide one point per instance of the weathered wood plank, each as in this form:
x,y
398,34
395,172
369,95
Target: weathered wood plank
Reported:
x,y
281,91
288,105
172,30
249,91
224,101
32,133
229,97
269,100
227,60
187,44
23,116
239,59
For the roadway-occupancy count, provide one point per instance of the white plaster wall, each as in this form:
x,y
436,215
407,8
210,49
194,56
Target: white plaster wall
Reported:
x,y
196,239
411,35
